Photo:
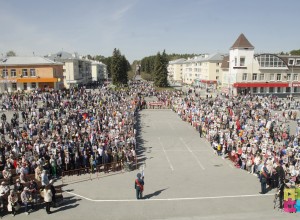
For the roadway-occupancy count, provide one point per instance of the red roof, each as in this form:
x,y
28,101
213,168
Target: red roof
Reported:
x,y
265,84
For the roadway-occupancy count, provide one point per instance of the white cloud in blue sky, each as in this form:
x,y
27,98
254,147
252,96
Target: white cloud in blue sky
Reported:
x,y
143,27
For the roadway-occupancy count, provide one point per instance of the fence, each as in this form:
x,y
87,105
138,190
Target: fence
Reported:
x,y
88,173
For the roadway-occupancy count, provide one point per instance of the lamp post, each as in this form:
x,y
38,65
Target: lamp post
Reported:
x,y
4,75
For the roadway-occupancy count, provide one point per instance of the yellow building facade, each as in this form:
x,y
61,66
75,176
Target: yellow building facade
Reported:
x,y
30,73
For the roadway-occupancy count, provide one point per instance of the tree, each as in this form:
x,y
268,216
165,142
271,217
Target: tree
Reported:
x,y
295,52
161,70
11,53
119,68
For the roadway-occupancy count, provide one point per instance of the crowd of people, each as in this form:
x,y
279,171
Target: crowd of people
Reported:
x,y
57,131
251,130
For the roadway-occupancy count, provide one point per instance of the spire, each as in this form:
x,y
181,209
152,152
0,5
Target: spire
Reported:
x,y
242,42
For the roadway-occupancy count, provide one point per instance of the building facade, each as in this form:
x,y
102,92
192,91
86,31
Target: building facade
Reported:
x,y
204,70
99,73
30,73
265,73
175,70
77,71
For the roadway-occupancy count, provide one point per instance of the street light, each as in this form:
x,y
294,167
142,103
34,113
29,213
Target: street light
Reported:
x,y
4,74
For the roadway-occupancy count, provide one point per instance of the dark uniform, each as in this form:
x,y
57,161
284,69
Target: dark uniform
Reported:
x,y
139,186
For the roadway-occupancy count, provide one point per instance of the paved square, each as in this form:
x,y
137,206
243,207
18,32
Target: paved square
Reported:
x,y
184,179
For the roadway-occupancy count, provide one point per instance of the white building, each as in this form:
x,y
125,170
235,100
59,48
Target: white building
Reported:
x,y
204,70
265,73
99,72
175,69
77,71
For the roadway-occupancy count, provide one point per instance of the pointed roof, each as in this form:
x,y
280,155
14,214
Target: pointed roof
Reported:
x,y
242,42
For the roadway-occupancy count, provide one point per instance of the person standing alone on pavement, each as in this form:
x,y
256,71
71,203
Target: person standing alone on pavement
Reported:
x,y
139,186
48,198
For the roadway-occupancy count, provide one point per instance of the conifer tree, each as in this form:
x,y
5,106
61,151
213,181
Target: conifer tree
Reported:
x,y
160,70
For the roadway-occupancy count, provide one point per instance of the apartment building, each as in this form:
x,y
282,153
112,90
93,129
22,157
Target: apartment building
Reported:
x,y
175,69
245,72
77,71
30,73
99,72
204,70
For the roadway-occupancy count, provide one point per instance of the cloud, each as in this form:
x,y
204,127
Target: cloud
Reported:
x,y
121,12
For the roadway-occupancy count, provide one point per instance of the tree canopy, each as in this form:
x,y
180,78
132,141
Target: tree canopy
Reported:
x,y
161,70
11,53
119,67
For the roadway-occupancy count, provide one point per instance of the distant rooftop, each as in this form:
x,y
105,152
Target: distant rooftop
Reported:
x,y
30,60
62,55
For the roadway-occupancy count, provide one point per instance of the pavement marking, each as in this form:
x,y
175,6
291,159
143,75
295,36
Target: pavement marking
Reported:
x,y
161,144
169,199
187,147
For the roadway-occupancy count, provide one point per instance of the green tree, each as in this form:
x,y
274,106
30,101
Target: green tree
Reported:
x,y
295,52
11,53
160,70
119,67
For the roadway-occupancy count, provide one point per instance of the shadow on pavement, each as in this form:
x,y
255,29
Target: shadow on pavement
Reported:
x,y
68,203
156,193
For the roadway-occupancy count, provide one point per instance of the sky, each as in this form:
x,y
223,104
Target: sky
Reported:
x,y
140,28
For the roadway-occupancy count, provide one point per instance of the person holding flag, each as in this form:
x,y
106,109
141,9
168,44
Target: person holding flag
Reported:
x,y
139,186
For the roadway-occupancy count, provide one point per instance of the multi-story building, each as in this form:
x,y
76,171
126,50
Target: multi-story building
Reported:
x,y
175,70
77,71
99,72
29,73
245,72
204,71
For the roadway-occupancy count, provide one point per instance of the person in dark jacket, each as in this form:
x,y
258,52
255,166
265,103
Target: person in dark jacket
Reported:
x,y
139,186
281,177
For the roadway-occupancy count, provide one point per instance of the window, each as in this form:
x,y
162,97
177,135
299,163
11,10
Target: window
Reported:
x,y
33,85
288,89
272,76
25,86
288,77
295,89
13,73
297,62
261,77
4,73
14,86
254,76
262,89
244,76
254,90
32,72
271,89
295,77
269,60
235,61
24,72
242,61
278,77
278,89
291,62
